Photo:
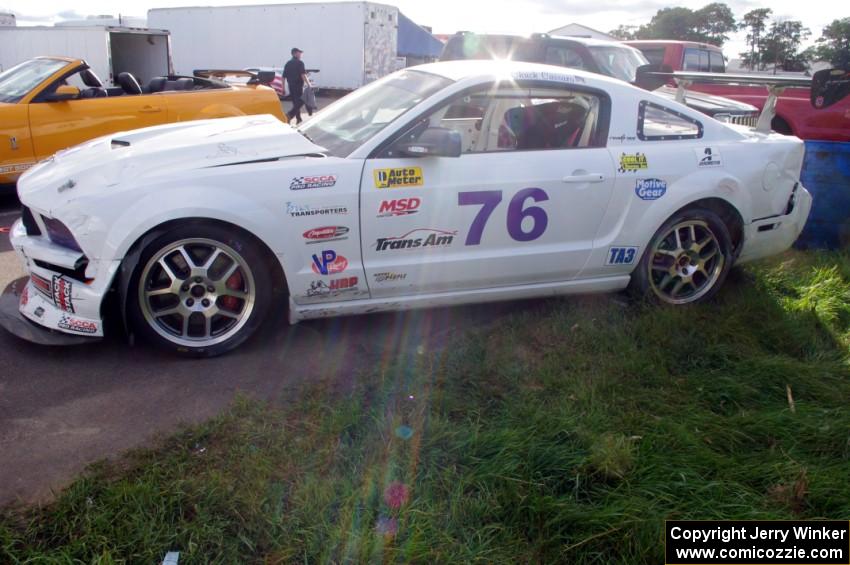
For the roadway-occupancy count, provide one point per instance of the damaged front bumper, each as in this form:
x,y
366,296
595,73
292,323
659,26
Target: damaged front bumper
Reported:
x,y
51,306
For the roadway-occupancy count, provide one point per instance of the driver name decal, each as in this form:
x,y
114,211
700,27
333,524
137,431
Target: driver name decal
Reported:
x,y
398,177
633,163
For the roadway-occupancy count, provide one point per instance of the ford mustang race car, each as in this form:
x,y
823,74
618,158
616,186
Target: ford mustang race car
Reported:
x,y
442,184
50,103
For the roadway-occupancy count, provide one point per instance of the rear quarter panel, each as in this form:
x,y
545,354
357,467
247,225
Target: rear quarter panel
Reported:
x,y
220,103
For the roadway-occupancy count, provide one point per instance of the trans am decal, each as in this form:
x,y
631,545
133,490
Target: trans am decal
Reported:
x,y
320,181
434,238
398,177
650,189
633,163
708,157
621,255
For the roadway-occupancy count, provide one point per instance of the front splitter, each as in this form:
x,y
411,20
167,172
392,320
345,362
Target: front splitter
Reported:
x,y
14,322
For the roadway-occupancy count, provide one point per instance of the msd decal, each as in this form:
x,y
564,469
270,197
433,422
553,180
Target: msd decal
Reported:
x,y
621,255
319,181
62,294
76,325
399,207
325,234
329,263
436,238
650,189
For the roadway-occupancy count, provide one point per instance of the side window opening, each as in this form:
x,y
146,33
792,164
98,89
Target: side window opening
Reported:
x,y
718,65
563,57
691,62
657,123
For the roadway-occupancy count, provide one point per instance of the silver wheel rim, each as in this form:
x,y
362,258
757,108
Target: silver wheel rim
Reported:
x,y
685,263
197,292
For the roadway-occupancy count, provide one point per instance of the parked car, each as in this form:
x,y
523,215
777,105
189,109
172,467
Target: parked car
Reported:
x,y
51,103
794,113
448,183
608,58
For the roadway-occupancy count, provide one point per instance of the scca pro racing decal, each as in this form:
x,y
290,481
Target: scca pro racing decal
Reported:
x,y
399,177
62,294
329,263
76,325
621,255
633,163
325,234
335,286
320,181
650,189
435,238
708,157
399,207
303,210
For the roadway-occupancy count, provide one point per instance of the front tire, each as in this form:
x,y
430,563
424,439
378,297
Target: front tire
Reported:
x,y
687,259
199,290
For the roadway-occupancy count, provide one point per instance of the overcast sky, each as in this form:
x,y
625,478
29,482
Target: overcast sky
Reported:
x,y
448,16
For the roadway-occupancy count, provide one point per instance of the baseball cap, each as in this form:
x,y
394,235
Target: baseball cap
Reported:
x,y
296,50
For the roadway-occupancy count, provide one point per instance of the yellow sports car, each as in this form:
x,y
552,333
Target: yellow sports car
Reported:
x,y
50,103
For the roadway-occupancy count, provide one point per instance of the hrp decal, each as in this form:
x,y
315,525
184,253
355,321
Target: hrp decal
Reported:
x,y
708,157
621,255
399,207
336,286
327,233
650,189
329,263
398,177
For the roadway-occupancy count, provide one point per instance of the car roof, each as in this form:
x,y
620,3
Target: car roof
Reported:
x,y
672,42
483,70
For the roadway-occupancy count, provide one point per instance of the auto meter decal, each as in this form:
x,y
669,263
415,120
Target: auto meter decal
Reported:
x,y
621,255
399,207
318,181
633,163
650,189
329,263
325,234
708,157
420,237
398,177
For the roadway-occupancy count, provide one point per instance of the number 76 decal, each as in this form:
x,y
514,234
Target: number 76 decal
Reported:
x,y
489,199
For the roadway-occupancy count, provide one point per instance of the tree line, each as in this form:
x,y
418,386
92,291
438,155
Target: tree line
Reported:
x,y
770,41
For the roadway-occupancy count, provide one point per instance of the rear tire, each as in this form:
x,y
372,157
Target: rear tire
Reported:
x,y
199,290
687,259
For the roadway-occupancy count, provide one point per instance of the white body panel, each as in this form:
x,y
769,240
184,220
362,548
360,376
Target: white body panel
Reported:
x,y
351,43
320,214
106,49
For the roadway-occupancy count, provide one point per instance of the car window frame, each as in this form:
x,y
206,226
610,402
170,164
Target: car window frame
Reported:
x,y
642,114
41,97
599,140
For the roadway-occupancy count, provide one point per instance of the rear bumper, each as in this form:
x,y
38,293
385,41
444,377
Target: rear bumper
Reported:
x,y
770,236
51,300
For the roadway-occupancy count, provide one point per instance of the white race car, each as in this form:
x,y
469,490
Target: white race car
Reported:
x,y
448,183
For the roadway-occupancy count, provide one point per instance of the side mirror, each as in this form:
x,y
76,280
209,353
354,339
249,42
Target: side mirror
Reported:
x,y
434,142
829,86
63,92
265,77
650,77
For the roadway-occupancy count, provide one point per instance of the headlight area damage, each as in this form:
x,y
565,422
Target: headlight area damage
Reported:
x,y
57,295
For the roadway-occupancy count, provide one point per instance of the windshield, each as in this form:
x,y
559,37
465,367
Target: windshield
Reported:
x,y
617,62
349,123
21,79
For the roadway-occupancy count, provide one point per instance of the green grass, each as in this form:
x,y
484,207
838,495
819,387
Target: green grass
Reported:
x,y
569,433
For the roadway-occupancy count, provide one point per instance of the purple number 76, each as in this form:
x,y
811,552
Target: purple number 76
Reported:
x,y
489,199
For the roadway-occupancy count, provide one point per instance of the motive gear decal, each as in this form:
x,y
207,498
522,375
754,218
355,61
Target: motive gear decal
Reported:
x,y
650,189
398,177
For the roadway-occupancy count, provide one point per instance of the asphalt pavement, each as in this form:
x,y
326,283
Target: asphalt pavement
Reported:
x,y
62,408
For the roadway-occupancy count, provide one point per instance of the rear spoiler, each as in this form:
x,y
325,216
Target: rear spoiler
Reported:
x,y
828,86
260,77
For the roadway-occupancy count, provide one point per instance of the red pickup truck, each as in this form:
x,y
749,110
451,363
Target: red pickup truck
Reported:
x,y
794,113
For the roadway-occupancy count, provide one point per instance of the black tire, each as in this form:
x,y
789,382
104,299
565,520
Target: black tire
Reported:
x,y
701,271
230,306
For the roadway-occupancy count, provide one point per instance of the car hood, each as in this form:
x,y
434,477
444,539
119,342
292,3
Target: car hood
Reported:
x,y
709,103
148,153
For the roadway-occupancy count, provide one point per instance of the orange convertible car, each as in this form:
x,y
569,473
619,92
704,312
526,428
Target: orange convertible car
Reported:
x,y
50,103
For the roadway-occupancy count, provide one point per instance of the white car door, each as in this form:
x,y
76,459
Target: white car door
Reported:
x,y
521,205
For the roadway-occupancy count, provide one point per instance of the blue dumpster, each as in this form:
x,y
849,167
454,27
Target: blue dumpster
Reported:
x,y
826,174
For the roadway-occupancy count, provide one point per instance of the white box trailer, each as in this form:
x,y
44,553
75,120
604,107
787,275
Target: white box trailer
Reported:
x,y
351,43
108,50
